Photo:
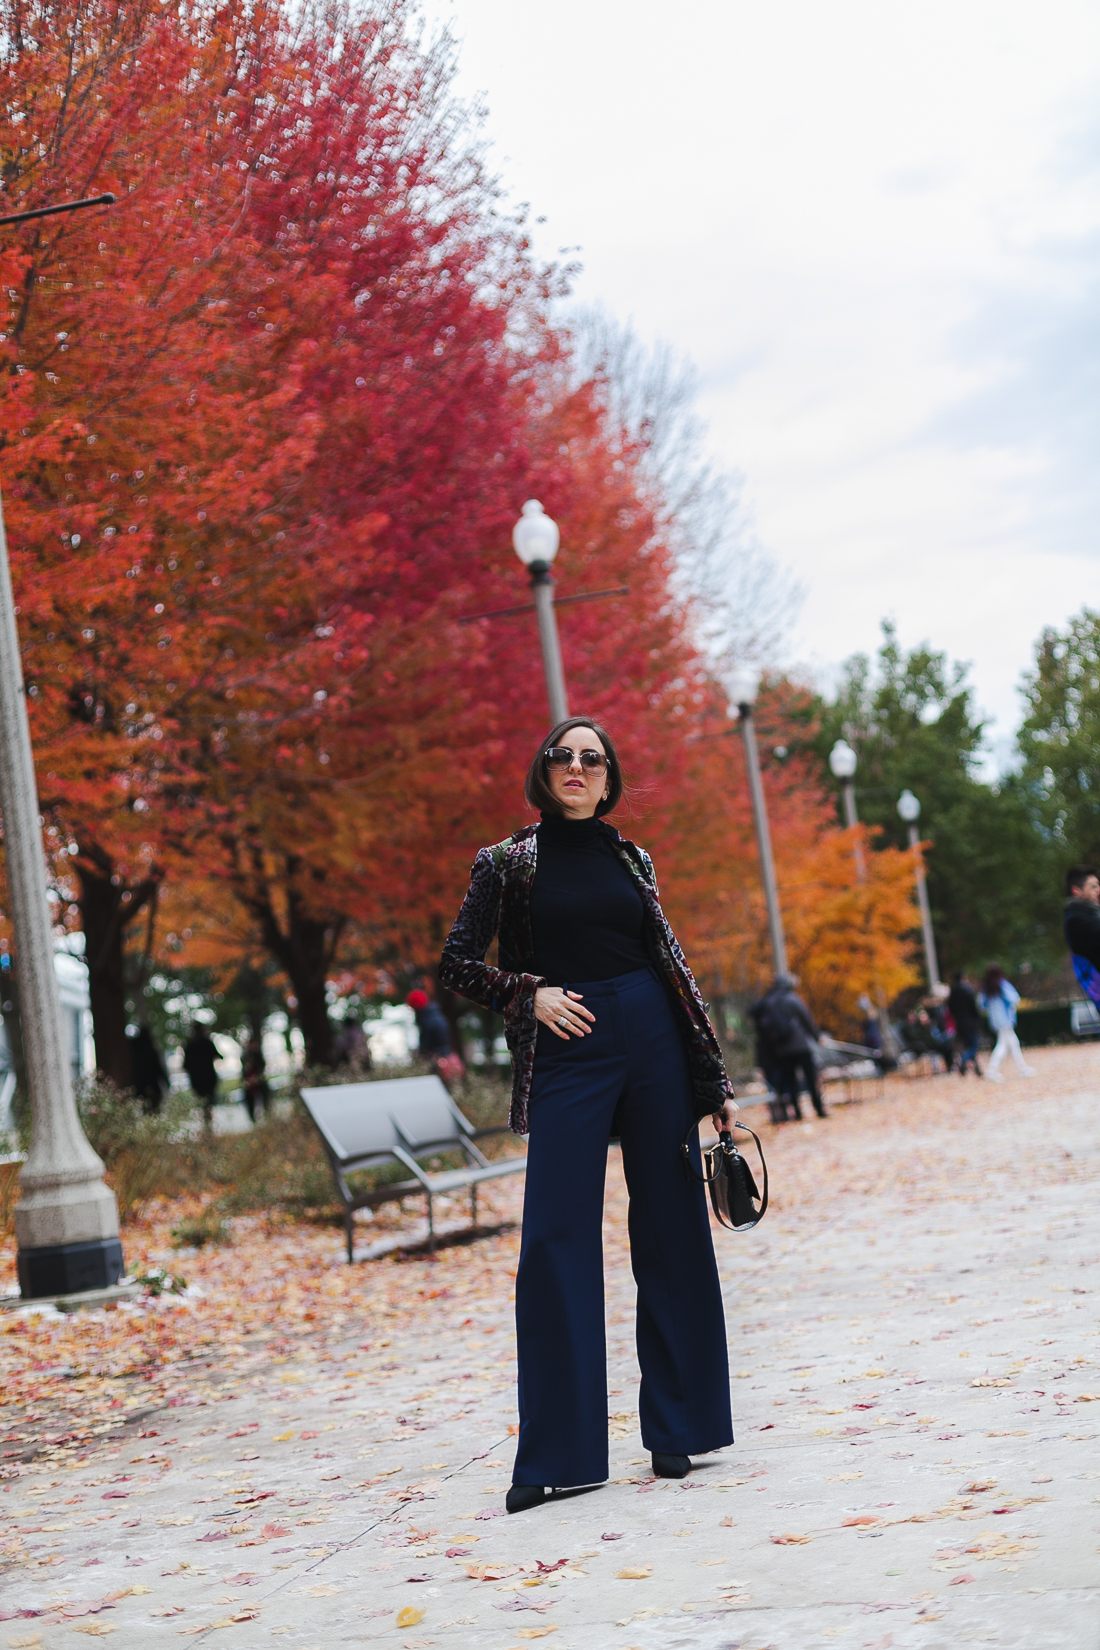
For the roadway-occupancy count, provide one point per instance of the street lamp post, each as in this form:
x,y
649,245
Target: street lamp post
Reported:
x,y
536,539
743,687
909,809
843,762
66,1220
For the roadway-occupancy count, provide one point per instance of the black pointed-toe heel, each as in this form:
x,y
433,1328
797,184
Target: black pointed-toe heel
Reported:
x,y
671,1466
522,1497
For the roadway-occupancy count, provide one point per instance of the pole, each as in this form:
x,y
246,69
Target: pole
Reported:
x,y
851,819
542,588
889,1041
763,839
931,962
66,1221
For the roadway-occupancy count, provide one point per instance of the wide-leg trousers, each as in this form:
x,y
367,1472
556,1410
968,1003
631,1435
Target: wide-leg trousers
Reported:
x,y
631,1067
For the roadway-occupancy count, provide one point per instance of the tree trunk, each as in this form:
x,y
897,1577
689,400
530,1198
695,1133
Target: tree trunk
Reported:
x,y
107,906
305,950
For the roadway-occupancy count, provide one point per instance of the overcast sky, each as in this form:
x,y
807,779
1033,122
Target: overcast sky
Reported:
x,y
874,228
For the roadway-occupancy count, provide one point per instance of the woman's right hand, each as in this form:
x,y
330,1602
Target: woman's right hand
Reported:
x,y
561,1011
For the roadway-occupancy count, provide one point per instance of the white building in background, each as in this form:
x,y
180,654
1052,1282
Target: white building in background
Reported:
x,y
72,981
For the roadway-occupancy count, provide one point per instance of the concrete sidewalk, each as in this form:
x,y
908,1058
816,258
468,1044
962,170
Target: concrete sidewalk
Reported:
x,y
914,1346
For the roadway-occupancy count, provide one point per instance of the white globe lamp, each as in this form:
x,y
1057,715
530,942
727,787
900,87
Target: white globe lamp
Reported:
x,y
535,536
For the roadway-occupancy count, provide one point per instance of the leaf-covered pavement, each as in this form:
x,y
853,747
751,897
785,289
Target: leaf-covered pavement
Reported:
x,y
305,1453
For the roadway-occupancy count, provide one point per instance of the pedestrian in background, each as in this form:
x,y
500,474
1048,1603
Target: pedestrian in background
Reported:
x,y
435,1037
148,1076
999,999
962,1004
767,1062
870,1031
257,1089
1081,923
941,1024
789,1030
200,1062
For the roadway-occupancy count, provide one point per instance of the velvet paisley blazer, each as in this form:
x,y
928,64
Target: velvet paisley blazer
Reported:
x,y
498,906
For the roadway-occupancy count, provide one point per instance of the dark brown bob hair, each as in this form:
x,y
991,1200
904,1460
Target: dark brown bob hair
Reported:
x,y
536,787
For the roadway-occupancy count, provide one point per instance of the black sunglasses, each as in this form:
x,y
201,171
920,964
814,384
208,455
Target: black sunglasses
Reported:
x,y
560,756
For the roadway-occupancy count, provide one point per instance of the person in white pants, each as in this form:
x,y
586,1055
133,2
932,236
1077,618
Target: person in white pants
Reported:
x,y
999,998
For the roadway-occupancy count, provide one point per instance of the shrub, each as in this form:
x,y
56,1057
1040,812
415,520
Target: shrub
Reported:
x,y
196,1231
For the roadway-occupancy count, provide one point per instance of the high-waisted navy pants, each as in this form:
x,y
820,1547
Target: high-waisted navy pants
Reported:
x,y
634,1061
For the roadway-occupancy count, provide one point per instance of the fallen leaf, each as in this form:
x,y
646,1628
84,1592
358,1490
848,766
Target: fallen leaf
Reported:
x,y
94,1629
612,1535
791,1540
177,1520
408,1617
959,1581
282,1437
861,1518
991,1380
635,1572
535,1632
491,1572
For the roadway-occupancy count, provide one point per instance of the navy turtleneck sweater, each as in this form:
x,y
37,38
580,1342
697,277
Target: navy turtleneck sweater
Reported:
x,y
586,912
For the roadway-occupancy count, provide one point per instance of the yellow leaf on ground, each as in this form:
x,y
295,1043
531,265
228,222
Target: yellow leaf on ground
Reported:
x,y
535,1632
139,1589
635,1572
171,1518
790,1540
408,1617
94,1629
282,1437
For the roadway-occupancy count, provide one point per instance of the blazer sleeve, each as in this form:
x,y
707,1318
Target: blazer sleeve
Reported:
x,y
463,968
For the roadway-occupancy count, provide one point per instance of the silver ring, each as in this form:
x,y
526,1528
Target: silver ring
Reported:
x,y
563,1022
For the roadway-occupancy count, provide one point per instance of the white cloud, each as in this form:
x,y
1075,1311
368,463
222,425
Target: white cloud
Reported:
x,y
874,228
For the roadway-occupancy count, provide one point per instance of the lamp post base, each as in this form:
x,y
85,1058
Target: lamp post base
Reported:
x,y
69,1268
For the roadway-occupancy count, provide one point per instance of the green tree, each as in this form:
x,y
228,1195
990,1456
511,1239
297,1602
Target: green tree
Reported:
x,y
1060,738
992,882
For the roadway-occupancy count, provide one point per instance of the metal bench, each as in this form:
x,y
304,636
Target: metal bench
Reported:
x,y
1084,1019
400,1120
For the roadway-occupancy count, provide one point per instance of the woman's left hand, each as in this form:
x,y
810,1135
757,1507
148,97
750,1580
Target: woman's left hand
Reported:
x,y
724,1119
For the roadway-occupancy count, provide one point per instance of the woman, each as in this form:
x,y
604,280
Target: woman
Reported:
x,y
999,998
609,1035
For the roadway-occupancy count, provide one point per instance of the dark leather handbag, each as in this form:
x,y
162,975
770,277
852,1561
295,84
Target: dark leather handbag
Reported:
x,y
735,1198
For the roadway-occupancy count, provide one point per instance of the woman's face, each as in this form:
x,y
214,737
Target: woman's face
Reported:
x,y
578,793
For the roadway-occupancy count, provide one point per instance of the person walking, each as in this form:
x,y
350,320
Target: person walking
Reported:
x,y
148,1074
999,999
257,1089
200,1062
791,1032
962,1005
1081,924
604,1022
